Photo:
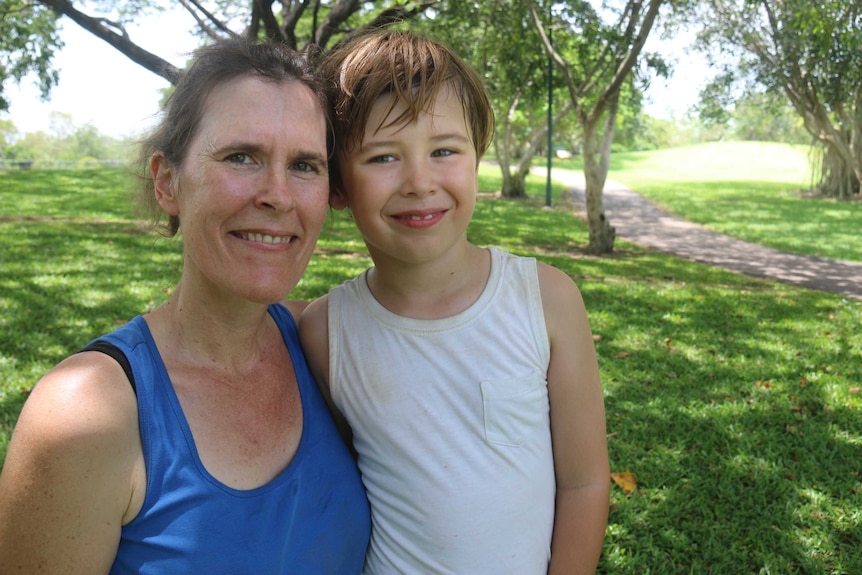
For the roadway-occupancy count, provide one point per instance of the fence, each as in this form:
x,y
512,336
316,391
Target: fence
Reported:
x,y
84,164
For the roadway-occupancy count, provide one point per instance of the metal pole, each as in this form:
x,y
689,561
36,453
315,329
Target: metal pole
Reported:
x,y
550,111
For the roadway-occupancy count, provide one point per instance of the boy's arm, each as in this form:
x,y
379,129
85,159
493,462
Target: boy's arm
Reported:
x,y
314,337
577,429
74,473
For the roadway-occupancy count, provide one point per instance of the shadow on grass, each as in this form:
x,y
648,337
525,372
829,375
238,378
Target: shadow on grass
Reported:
x,y
101,193
732,399
64,284
738,474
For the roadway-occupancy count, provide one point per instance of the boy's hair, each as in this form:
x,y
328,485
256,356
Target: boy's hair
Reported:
x,y
413,68
213,66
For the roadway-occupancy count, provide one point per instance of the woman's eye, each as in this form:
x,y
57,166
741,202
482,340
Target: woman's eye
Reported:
x,y
306,168
382,159
239,158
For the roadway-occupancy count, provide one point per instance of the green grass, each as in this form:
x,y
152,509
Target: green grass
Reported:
x,y
735,401
750,190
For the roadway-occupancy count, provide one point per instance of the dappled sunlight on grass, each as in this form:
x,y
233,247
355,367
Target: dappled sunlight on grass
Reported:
x,y
735,401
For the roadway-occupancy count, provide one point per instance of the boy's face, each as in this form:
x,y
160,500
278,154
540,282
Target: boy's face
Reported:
x,y
411,188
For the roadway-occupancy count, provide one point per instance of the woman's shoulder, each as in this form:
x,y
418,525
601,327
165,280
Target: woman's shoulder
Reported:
x,y
85,397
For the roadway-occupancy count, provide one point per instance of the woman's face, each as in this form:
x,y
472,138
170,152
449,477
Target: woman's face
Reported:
x,y
252,193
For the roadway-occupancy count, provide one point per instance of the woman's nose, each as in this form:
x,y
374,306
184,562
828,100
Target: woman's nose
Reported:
x,y
276,192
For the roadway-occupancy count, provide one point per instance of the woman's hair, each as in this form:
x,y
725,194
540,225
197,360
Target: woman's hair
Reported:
x,y
212,66
414,69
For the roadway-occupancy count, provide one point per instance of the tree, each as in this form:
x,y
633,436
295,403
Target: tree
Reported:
x,y
28,40
298,24
8,132
811,50
499,41
29,36
606,56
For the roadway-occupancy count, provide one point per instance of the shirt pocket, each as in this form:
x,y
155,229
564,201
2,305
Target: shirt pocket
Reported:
x,y
514,408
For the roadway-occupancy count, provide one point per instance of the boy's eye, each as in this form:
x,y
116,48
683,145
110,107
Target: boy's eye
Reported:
x,y
443,152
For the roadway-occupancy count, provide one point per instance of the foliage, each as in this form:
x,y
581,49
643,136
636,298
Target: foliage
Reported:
x,y
810,51
29,40
499,40
301,25
734,402
767,117
64,142
607,42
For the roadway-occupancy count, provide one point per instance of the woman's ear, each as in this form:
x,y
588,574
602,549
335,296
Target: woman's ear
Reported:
x,y
337,197
164,183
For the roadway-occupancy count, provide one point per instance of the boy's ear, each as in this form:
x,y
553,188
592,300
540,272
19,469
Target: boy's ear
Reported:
x,y
164,183
337,197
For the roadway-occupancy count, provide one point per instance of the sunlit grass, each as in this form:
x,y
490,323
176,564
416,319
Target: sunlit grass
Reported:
x,y
754,191
735,401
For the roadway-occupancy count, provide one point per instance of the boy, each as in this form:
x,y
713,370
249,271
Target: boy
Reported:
x,y
467,376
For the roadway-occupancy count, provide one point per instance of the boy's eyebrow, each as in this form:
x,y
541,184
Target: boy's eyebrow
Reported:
x,y
373,144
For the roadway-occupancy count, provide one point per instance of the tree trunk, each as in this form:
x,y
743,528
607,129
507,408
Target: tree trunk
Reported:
x,y
513,186
602,233
837,179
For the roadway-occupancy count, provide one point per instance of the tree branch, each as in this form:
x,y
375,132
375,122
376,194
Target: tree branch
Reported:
x,y
194,8
120,41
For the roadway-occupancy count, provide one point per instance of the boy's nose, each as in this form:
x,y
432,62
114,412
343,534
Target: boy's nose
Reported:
x,y
419,180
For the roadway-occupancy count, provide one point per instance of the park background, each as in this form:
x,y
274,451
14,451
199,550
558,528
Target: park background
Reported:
x,y
733,403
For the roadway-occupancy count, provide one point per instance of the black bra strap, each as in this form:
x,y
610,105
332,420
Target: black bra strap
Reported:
x,y
113,351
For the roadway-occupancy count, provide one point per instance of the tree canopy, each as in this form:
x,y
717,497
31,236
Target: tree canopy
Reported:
x,y
811,51
29,39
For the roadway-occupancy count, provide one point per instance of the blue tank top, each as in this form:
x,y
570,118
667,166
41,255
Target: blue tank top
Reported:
x,y
313,518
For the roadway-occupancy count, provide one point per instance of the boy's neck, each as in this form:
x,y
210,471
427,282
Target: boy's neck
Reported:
x,y
432,290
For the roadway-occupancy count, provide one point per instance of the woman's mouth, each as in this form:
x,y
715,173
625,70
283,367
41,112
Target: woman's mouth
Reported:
x,y
265,238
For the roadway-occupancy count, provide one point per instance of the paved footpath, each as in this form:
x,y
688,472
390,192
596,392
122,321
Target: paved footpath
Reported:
x,y
641,222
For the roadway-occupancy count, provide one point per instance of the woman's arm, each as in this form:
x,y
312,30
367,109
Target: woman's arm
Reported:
x,y
314,336
577,429
73,474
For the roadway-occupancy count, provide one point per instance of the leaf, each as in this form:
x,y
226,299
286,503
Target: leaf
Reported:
x,y
625,480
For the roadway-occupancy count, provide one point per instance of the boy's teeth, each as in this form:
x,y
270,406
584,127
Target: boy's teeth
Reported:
x,y
419,218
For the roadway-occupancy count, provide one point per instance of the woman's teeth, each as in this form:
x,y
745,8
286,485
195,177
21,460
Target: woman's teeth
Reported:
x,y
267,239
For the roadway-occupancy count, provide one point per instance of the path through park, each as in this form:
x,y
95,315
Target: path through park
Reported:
x,y
641,222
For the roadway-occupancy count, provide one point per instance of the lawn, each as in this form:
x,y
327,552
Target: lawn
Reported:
x,y
750,190
735,402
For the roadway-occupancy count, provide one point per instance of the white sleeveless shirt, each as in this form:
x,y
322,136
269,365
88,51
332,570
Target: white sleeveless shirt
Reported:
x,y
450,418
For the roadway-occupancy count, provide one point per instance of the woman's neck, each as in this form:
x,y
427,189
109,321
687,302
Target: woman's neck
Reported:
x,y
200,328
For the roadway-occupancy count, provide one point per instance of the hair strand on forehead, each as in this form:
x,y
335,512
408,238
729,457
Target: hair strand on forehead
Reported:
x,y
414,70
214,65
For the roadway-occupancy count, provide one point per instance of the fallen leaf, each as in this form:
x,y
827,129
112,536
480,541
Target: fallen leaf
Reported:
x,y
625,480
622,354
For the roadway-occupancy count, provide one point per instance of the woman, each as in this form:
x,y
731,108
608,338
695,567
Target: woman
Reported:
x,y
193,439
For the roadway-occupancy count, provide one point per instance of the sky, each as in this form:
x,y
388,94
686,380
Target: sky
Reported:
x,y
101,86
